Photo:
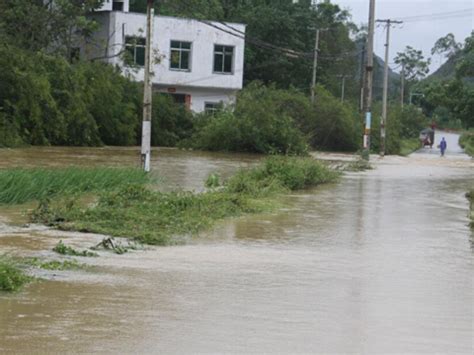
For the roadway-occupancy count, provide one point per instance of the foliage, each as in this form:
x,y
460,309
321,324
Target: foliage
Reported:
x,y
446,45
279,174
171,123
63,249
402,124
465,68
157,218
39,25
416,67
262,122
56,265
466,141
409,145
331,125
20,185
12,278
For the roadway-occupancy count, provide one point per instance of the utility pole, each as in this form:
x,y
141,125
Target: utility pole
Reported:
x,y
383,119
315,66
343,86
402,86
368,78
362,78
147,90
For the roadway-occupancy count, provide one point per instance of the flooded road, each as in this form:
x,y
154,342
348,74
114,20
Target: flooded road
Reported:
x,y
380,262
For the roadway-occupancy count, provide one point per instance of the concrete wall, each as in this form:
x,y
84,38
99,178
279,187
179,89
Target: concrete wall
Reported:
x,y
203,38
200,81
200,96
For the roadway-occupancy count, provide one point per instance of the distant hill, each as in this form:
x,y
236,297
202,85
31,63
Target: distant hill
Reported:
x,y
447,70
393,77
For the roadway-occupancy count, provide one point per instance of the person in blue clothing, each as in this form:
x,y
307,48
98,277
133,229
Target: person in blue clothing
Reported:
x,y
442,146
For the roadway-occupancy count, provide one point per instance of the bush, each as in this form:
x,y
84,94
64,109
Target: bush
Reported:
x,y
12,277
260,123
279,174
402,124
331,125
466,141
171,122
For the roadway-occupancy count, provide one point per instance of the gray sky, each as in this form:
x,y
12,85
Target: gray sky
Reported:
x,y
420,33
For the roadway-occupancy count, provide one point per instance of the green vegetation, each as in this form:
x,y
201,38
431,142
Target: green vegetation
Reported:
x,y
12,277
63,249
56,265
466,141
158,218
470,197
270,120
403,126
409,145
23,185
449,92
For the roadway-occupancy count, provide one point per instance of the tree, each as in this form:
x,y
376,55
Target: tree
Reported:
x,y
446,45
465,68
54,26
416,67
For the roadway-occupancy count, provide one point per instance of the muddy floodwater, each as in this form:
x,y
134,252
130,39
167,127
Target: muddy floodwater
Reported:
x,y
380,262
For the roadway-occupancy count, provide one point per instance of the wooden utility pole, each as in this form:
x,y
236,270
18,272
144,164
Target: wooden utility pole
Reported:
x,y
383,118
315,66
369,77
402,85
147,91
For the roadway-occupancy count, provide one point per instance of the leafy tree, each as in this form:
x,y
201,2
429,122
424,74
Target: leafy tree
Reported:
x,y
446,45
465,67
416,67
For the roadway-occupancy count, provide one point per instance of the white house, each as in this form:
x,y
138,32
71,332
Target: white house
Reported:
x,y
200,63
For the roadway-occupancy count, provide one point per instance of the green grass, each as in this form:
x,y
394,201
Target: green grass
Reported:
x,y
56,265
408,146
470,197
160,218
63,249
466,141
12,277
22,185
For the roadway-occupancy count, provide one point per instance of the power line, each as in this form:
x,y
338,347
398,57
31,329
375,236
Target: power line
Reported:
x,y
438,16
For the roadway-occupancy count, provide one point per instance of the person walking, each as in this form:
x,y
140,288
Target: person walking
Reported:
x,y
442,146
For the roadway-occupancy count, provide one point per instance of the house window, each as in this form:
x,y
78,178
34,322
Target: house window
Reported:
x,y
180,55
135,51
117,6
212,107
223,59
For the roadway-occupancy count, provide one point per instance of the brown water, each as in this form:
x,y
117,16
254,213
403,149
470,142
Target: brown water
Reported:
x,y
380,262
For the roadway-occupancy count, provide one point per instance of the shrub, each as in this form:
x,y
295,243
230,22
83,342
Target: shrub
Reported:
x,y
466,141
260,123
171,122
12,278
331,125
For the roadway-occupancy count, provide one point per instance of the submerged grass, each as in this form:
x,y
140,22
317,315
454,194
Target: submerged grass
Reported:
x,y
22,185
12,277
158,218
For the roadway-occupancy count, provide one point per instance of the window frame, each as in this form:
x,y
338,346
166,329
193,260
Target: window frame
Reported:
x,y
217,106
134,46
223,61
190,55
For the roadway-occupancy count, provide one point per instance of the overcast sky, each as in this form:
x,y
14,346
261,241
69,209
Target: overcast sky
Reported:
x,y
420,33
